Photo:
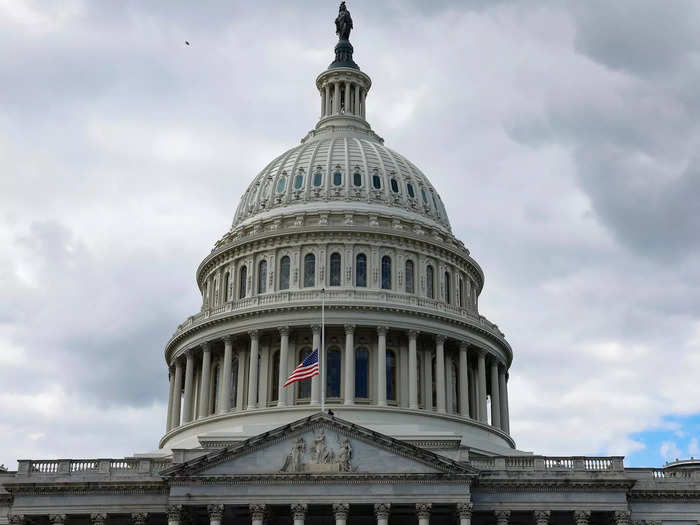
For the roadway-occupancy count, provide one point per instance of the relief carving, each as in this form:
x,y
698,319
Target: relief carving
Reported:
x,y
323,459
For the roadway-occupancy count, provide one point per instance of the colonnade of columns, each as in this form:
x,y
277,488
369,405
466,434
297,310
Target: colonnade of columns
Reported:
x,y
343,97
444,375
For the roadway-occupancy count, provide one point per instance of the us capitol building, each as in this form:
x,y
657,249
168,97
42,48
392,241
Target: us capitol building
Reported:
x,y
416,379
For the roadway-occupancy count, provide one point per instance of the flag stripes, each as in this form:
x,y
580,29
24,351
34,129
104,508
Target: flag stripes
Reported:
x,y
308,368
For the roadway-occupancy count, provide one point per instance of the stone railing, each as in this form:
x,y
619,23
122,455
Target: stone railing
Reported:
x,y
80,467
658,474
551,463
342,296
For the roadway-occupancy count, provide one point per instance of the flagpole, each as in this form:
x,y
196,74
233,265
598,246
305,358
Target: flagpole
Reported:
x,y
322,350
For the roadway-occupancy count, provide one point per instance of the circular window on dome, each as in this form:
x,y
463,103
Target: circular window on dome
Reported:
x,y
318,178
337,177
376,181
409,188
281,184
394,185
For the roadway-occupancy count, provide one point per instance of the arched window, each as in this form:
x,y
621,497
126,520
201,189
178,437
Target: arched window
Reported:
x,y
243,279
376,181
262,276
394,185
386,272
214,390
284,272
333,372
448,288
274,387
309,270
437,208
234,381
299,180
361,270
337,178
410,288
430,281
391,375
335,269
227,279
461,292
362,373
357,178
304,386
432,364
421,394
425,197
318,178
411,193
281,184
455,387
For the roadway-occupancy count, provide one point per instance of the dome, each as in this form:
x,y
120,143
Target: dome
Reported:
x,y
342,171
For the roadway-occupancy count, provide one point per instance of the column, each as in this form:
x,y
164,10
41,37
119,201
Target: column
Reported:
x,y
412,369
582,517
428,383
495,396
464,512
257,513
356,109
341,512
463,380
450,401
336,98
503,392
316,380
226,379
240,380
253,370
423,513
189,387
541,517
481,372
502,516
138,518
440,373
323,102
381,511
362,103
329,109
177,395
98,518
347,97
299,513
284,351
174,514
169,418
349,364
216,513
206,376
381,365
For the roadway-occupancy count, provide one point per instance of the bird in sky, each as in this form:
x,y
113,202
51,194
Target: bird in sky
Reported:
x,y
187,43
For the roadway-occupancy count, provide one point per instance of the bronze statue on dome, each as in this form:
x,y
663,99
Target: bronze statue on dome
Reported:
x,y
343,23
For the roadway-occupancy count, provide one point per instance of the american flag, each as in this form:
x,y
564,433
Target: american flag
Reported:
x,y
308,368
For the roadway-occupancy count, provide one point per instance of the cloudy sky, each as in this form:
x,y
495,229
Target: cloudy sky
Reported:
x,y
563,136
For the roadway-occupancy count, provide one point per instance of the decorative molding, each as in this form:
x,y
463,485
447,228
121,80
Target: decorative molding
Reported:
x,y
341,511
299,511
174,512
382,510
542,517
502,517
98,518
464,510
582,517
216,512
57,519
139,518
423,510
257,511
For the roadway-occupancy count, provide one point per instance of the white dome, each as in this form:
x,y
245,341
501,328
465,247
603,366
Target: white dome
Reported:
x,y
342,170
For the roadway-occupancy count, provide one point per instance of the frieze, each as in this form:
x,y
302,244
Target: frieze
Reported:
x,y
593,484
25,489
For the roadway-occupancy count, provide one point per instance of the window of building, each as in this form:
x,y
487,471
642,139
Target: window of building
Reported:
x,y
335,269
421,394
304,387
362,373
391,375
425,197
394,185
337,178
215,390
432,364
333,372
243,279
275,379
284,272
410,288
430,281
376,181
281,184
437,208
309,270
262,276
357,179
318,178
448,288
299,181
361,270
455,387
233,381
409,188
386,272
461,292
227,280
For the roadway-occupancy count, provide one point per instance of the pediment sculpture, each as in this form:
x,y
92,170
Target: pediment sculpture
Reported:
x,y
322,458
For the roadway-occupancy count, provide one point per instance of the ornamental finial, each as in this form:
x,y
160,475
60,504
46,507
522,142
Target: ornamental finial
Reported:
x,y
343,49
343,23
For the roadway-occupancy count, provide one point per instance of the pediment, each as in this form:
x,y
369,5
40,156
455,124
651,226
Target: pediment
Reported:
x,y
319,445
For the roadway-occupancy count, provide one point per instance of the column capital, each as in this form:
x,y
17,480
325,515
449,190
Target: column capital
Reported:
x,y
382,330
341,511
299,511
257,511
216,512
582,517
622,517
502,516
206,347
542,516
423,510
463,345
98,518
16,519
382,510
316,329
481,352
349,328
139,518
440,339
174,512
283,330
464,510
57,519
227,339
413,334
253,334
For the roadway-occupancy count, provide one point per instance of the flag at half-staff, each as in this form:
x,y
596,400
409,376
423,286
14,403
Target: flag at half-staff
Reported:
x,y
307,369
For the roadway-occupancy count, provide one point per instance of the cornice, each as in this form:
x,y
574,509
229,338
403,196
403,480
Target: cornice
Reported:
x,y
687,495
325,479
553,485
89,487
